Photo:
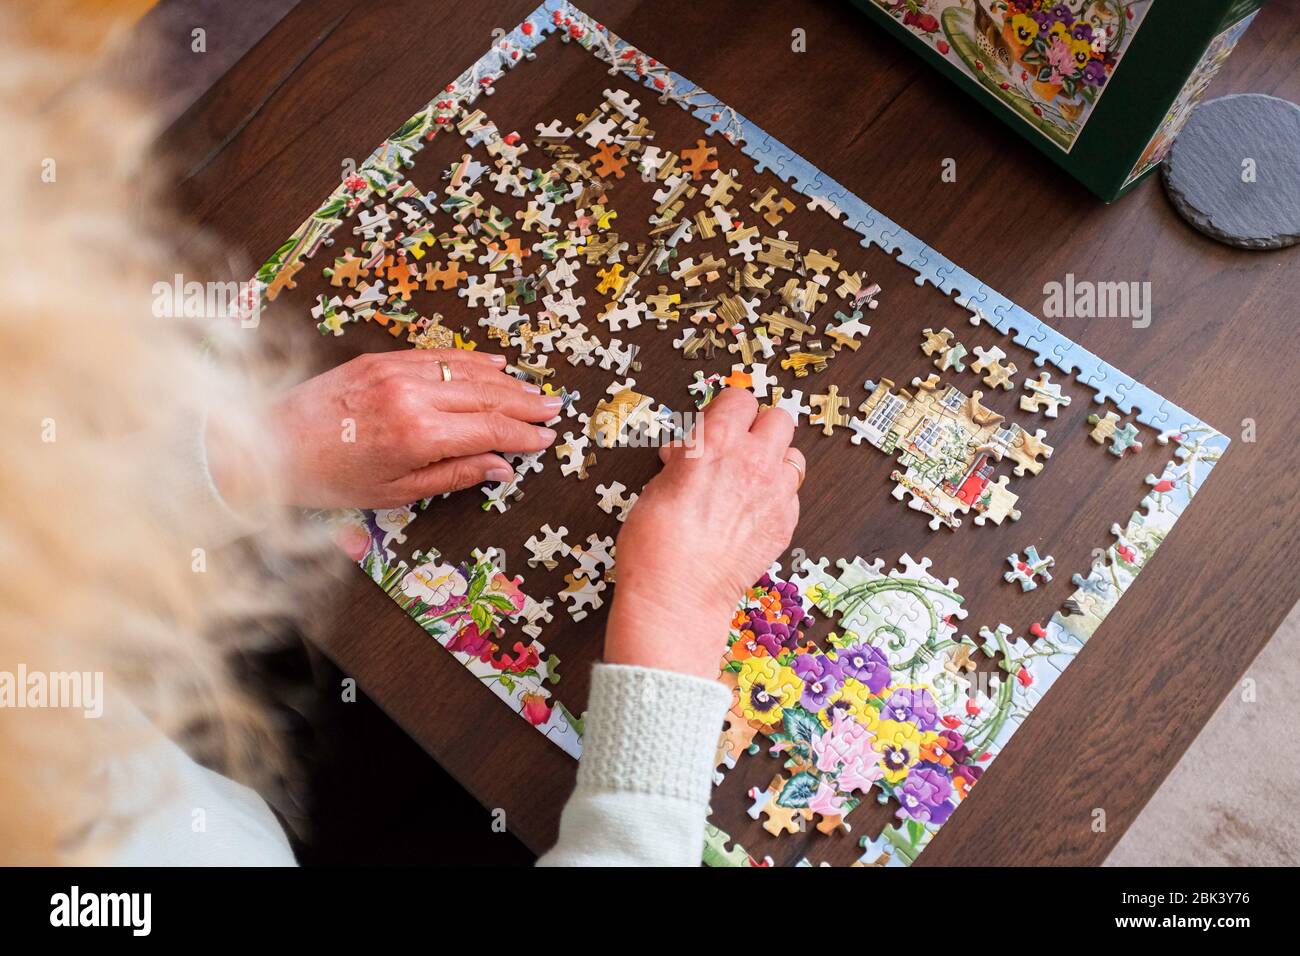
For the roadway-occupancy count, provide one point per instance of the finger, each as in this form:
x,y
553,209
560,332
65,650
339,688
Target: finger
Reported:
x,y
789,522
433,374
793,469
472,433
683,445
738,403
727,417
467,359
428,365
728,420
493,396
676,446
452,474
464,370
774,427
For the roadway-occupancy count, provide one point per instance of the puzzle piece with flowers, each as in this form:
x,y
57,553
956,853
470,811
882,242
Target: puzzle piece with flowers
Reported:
x,y
524,234
473,609
890,711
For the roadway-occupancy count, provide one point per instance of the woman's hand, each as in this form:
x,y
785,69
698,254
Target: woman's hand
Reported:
x,y
385,429
701,533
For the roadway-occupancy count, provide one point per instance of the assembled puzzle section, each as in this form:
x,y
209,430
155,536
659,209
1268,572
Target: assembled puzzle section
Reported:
x,y
635,270
896,708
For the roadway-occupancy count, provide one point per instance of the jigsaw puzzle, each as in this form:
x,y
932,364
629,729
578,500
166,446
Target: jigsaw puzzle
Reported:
x,y
523,234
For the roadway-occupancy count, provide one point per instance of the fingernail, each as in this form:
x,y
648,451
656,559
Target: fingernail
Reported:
x,y
498,359
499,474
553,401
528,387
546,434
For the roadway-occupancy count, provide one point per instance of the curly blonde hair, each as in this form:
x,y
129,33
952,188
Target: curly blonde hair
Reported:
x,y
113,557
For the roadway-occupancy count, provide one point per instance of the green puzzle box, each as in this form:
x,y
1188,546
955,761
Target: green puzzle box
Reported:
x,y
1101,87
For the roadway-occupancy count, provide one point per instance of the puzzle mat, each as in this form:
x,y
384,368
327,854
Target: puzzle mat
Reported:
x,y
957,681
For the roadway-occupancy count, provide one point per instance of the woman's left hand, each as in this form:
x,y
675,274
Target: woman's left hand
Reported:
x,y
388,428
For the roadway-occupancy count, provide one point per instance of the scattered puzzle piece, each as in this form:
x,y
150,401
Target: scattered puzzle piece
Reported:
x,y
1026,571
780,819
614,499
581,595
791,402
698,159
1044,396
546,546
989,364
573,452
829,410
1107,429
948,354
771,205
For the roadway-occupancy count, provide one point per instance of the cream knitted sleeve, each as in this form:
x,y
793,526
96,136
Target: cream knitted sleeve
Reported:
x,y
646,770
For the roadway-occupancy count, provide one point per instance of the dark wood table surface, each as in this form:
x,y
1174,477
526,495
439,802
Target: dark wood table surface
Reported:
x,y
334,77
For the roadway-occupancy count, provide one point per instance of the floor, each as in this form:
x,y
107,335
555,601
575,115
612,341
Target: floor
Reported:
x,y
1227,803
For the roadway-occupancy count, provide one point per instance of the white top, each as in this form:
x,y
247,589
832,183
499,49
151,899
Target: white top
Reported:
x,y
187,815
641,798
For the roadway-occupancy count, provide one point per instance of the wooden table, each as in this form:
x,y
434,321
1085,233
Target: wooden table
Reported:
x,y
335,77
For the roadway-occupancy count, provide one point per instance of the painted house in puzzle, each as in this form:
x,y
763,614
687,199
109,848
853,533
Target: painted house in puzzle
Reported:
x,y
948,439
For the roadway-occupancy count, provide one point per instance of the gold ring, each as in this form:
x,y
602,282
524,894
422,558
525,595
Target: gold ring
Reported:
x,y
797,467
446,371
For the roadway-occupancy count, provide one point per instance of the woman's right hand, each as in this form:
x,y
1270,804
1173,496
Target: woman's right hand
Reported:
x,y
704,529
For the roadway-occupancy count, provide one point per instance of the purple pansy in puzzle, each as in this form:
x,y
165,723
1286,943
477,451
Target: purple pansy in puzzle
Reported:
x,y
926,795
867,664
821,678
913,704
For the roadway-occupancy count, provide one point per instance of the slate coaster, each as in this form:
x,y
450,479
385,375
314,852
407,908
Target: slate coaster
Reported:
x,y
1234,171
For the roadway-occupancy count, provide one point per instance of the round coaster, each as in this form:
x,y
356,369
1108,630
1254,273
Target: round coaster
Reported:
x,y
1234,171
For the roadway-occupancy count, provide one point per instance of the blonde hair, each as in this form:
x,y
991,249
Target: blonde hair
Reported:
x,y
112,559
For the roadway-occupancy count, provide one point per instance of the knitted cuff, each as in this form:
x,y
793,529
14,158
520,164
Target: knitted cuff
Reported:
x,y
651,731
196,496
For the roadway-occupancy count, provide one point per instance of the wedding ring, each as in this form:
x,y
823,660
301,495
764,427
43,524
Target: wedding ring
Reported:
x,y
797,467
446,371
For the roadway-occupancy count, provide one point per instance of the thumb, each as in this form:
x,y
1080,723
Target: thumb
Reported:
x,y
453,474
